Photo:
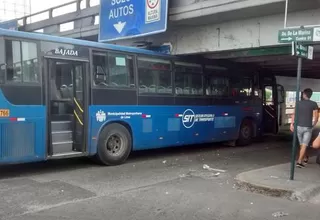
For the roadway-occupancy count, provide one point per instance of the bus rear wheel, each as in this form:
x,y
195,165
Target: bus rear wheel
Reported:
x,y
114,145
245,133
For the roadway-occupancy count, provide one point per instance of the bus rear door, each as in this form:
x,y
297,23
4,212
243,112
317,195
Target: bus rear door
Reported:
x,y
273,96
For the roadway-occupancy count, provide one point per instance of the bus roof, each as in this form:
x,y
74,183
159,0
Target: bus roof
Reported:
x,y
66,40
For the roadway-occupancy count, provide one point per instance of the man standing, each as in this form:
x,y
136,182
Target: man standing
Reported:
x,y
308,118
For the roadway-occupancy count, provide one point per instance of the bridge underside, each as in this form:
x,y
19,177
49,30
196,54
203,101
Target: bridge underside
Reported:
x,y
277,60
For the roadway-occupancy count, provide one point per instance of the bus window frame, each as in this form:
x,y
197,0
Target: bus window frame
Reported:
x,y
202,74
93,86
40,61
171,72
244,75
209,72
3,81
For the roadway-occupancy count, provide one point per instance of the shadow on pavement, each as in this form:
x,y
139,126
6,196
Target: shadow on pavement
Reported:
x,y
51,166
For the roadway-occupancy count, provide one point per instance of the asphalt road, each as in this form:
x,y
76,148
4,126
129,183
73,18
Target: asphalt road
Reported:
x,y
160,184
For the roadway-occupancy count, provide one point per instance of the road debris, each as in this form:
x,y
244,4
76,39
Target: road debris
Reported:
x,y
206,167
279,214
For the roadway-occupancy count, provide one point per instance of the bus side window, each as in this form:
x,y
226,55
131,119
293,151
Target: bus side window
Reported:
x,y
2,73
100,74
258,93
2,63
217,86
121,70
188,79
154,76
22,67
241,87
268,95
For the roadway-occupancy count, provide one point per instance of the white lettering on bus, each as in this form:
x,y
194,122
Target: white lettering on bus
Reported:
x,y
68,52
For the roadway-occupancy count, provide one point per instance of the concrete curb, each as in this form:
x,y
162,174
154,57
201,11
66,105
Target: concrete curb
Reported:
x,y
264,190
305,194
302,195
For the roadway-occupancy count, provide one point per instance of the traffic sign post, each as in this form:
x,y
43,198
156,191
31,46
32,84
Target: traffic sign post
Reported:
x,y
295,37
123,19
302,51
296,115
299,35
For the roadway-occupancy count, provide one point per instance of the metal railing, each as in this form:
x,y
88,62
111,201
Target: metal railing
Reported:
x,y
58,14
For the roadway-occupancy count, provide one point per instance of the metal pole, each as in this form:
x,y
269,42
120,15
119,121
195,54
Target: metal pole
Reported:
x,y
296,115
286,14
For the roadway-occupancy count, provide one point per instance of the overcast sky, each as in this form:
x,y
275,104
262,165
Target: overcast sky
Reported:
x,y
40,5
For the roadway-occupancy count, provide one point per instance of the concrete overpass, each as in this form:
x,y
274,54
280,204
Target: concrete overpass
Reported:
x,y
195,26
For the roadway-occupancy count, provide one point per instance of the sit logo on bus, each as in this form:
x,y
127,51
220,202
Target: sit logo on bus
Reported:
x,y
188,118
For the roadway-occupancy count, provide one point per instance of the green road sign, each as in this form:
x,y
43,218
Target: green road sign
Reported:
x,y
302,51
299,35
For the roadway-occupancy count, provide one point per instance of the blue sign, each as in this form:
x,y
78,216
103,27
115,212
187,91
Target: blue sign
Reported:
x,y
10,25
122,19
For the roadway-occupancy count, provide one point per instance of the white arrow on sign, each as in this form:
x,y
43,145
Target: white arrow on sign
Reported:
x,y
119,26
288,38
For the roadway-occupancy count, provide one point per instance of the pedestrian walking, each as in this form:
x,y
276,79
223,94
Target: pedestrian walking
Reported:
x,y
308,118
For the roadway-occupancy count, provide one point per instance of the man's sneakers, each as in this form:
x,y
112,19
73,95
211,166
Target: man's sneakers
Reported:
x,y
300,165
306,160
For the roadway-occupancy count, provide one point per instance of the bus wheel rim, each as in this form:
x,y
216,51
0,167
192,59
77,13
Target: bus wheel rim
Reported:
x,y
245,132
115,144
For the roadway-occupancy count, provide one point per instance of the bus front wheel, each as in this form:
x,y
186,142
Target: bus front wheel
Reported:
x,y
245,133
114,144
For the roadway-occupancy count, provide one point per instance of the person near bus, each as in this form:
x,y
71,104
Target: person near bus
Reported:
x,y
308,118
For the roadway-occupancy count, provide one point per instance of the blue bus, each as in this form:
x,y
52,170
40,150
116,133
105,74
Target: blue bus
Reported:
x,y
63,98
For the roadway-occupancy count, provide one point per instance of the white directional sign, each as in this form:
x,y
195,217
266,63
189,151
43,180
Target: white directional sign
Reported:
x,y
310,53
120,19
302,51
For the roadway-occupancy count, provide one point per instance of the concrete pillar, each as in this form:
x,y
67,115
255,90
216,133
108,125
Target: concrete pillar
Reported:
x,y
50,13
78,5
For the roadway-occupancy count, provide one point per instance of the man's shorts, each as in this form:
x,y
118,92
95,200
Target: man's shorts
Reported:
x,y
304,135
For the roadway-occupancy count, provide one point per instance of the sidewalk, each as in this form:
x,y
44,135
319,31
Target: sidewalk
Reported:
x,y
274,181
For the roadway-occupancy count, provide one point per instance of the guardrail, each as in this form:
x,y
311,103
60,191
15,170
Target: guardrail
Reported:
x,y
76,10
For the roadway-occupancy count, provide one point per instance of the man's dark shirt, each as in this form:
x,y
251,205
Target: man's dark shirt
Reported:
x,y
306,108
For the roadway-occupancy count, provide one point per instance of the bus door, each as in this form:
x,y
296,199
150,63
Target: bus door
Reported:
x,y
67,106
270,110
272,98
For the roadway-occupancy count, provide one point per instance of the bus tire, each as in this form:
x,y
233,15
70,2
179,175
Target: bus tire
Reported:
x,y
114,145
245,133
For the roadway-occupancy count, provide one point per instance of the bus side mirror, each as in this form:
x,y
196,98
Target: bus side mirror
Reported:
x,y
281,94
